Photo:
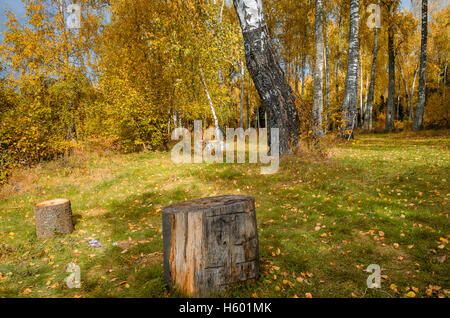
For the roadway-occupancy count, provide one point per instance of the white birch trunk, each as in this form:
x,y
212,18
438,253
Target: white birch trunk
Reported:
x,y
318,72
242,95
327,72
418,119
412,93
219,136
370,93
350,103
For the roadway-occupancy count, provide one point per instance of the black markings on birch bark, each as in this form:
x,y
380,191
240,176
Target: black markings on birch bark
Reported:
x,y
276,94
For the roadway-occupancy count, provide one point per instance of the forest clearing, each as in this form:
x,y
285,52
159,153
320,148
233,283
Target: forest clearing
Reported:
x,y
124,171
321,221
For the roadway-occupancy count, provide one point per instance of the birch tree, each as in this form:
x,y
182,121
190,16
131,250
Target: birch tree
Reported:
x,y
391,7
242,95
350,103
219,136
418,119
318,72
389,122
327,70
275,93
416,70
369,105
338,55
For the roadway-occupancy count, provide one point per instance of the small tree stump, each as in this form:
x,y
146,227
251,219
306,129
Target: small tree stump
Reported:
x,y
53,217
210,243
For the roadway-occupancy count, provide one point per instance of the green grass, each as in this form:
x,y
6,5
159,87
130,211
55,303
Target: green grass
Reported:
x,y
382,199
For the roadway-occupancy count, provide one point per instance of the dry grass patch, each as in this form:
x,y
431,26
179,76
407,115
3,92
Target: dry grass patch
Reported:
x,y
95,212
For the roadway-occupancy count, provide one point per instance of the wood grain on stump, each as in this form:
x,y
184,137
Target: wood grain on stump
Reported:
x,y
53,217
210,243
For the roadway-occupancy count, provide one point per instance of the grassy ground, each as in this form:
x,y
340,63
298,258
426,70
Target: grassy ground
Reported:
x,y
382,199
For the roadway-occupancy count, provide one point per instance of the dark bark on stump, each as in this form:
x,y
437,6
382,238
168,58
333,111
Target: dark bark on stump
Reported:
x,y
52,218
209,244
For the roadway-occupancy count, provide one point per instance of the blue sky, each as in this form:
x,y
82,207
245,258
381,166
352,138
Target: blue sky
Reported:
x,y
17,7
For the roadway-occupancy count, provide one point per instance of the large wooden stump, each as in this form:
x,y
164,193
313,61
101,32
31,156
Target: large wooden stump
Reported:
x,y
210,243
53,217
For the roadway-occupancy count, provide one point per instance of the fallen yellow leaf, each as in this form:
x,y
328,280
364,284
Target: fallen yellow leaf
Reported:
x,y
411,294
26,291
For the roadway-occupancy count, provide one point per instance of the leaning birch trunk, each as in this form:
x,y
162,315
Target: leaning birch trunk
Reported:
x,y
219,137
318,72
276,94
221,12
418,119
412,94
350,103
52,218
210,244
405,84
